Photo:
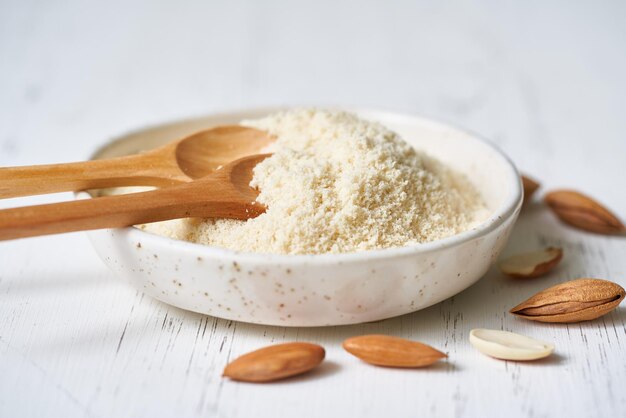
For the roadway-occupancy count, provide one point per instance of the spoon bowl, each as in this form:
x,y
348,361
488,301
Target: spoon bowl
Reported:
x,y
200,154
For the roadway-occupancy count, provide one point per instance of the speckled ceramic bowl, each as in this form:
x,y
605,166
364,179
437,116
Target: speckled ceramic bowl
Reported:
x,y
320,290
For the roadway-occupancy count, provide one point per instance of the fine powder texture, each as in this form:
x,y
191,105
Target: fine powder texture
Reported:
x,y
337,184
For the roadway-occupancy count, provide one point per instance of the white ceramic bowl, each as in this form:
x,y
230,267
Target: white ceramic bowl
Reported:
x,y
318,290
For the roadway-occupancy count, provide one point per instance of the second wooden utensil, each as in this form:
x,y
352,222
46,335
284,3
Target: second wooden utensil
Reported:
x,y
226,193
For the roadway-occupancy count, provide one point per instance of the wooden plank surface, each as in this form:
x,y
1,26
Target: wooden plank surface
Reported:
x,y
544,82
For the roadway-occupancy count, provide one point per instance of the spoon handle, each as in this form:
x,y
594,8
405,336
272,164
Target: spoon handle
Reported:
x,y
134,170
203,198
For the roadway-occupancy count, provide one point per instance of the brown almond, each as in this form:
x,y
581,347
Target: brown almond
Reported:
x,y
573,301
383,350
583,212
531,264
530,187
275,362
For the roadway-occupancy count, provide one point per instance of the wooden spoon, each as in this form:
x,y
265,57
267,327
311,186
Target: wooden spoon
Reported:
x,y
226,193
178,162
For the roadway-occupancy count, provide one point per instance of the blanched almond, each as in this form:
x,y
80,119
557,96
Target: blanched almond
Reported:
x,y
383,350
509,345
531,264
275,362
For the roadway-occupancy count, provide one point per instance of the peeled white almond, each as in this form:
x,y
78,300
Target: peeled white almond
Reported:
x,y
509,345
532,264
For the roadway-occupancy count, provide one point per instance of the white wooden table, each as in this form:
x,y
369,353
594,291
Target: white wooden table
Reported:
x,y
544,82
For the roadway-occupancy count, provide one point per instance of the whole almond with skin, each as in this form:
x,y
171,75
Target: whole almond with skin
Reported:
x,y
275,362
531,264
573,301
384,350
583,212
530,187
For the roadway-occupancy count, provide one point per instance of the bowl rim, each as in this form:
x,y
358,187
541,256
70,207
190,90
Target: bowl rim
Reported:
x,y
504,212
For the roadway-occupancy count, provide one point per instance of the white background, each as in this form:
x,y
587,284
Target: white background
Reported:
x,y
545,81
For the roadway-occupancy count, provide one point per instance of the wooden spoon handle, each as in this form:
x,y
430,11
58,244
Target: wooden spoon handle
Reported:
x,y
134,170
181,201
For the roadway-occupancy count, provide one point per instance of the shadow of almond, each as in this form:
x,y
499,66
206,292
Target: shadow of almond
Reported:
x,y
553,360
617,316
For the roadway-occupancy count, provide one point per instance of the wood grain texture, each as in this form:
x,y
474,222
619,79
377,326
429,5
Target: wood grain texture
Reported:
x,y
544,82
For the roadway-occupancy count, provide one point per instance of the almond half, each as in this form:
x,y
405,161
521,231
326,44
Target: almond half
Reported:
x,y
573,301
506,345
583,212
530,187
384,350
275,362
531,264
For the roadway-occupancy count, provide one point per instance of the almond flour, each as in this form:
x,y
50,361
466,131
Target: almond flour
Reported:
x,y
337,183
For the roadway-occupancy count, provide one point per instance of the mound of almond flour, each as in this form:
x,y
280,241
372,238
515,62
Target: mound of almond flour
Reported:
x,y
337,184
